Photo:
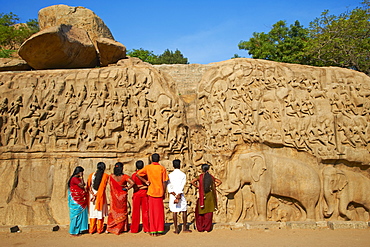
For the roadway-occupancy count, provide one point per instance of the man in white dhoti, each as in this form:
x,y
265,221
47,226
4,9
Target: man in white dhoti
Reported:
x,y
177,201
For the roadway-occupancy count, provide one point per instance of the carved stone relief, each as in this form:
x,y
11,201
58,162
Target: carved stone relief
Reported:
x,y
254,111
273,133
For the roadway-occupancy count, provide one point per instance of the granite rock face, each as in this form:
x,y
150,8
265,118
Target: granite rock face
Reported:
x,y
79,17
289,142
61,46
110,51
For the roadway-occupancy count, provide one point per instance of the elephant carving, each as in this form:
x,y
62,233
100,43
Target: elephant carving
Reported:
x,y
344,187
269,174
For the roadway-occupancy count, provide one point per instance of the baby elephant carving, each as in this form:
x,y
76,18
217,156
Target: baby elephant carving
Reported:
x,y
347,187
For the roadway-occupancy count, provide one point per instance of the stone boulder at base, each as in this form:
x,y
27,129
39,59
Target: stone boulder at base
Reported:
x,y
77,17
110,51
59,47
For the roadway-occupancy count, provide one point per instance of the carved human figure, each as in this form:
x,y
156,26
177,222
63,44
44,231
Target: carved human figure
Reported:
x,y
307,106
82,96
125,96
142,113
103,95
4,106
69,95
93,98
163,124
34,132
16,106
348,135
11,131
98,126
33,107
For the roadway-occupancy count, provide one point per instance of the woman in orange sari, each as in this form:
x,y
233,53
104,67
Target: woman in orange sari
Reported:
x,y
118,216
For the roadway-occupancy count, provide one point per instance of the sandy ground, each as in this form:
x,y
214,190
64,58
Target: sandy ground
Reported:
x,y
218,237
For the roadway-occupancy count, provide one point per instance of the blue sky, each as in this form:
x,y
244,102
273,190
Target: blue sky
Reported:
x,y
204,31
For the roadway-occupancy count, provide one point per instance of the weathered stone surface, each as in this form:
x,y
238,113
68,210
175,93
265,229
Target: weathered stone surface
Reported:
x,y
79,17
59,47
347,225
264,225
13,64
301,225
110,51
273,133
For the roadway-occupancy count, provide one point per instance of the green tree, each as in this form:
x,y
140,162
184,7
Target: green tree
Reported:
x,y
342,40
170,57
13,34
331,40
281,44
144,55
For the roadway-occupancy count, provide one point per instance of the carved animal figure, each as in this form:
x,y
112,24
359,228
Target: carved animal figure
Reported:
x,y
347,187
274,175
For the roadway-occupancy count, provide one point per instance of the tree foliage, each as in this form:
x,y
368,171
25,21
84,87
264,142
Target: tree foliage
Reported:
x,y
13,34
144,55
330,40
281,44
342,40
168,56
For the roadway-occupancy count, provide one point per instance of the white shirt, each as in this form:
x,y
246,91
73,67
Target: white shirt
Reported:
x,y
176,184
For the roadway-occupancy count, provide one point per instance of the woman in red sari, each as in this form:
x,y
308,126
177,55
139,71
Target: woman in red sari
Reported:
x,y
207,201
118,216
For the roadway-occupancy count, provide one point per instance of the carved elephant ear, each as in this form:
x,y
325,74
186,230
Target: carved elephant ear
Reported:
x,y
258,167
342,180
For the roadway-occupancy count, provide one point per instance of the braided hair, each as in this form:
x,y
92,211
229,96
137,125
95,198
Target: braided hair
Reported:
x,y
98,175
207,179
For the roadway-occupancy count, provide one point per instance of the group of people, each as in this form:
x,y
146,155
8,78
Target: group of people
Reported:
x,y
88,202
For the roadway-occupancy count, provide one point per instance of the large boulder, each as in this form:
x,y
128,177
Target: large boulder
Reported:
x,y
110,51
59,47
77,17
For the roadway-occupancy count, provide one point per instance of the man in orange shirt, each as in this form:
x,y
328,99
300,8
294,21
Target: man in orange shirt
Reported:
x,y
157,178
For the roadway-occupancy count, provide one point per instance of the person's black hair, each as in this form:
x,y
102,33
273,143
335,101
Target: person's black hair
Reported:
x,y
205,167
207,179
139,164
176,164
98,175
155,157
77,170
118,169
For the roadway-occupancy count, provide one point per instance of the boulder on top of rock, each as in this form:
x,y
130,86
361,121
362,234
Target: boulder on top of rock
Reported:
x,y
110,51
79,17
59,47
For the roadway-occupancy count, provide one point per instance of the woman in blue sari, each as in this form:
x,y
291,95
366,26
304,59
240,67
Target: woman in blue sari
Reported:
x,y
77,202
